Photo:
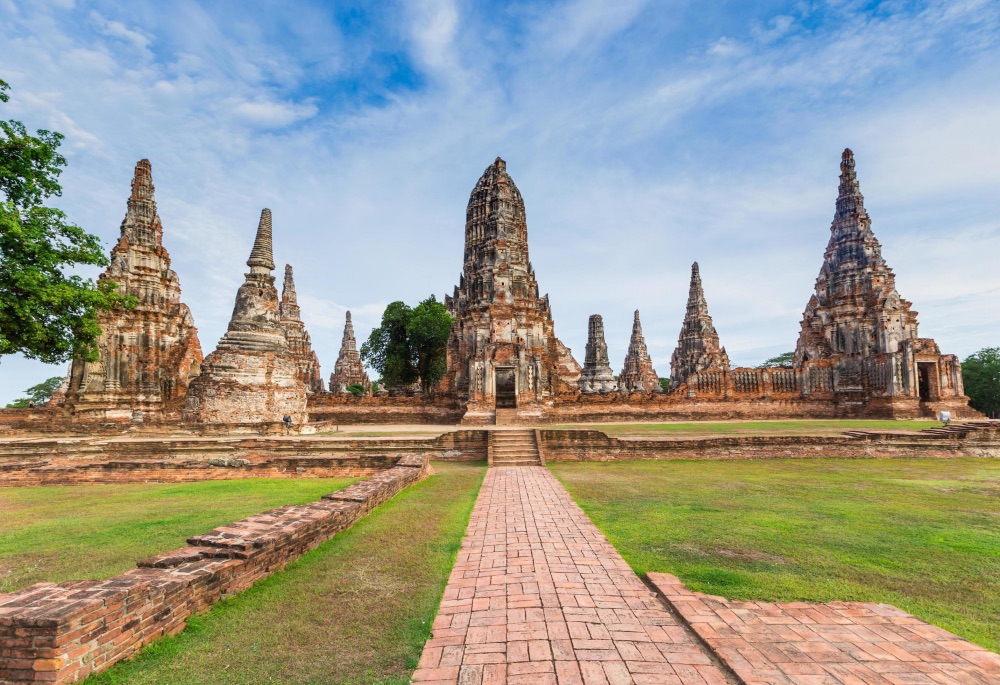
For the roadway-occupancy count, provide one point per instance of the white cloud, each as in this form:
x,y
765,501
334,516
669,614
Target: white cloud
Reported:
x,y
274,114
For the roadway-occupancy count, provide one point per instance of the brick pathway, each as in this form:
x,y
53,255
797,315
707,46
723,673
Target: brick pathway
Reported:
x,y
539,596
851,643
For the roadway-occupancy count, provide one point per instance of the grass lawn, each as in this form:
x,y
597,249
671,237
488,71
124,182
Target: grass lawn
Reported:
x,y
723,428
97,531
921,534
357,609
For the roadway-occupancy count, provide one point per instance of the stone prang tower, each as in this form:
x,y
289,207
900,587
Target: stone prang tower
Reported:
x,y
597,375
698,343
859,342
148,355
502,352
349,370
299,341
638,374
251,377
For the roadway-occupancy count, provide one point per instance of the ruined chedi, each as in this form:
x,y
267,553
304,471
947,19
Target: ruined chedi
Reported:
x,y
251,377
698,343
638,374
348,370
299,342
147,355
859,340
596,376
502,351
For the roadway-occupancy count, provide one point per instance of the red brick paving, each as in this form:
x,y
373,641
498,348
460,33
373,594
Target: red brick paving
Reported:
x,y
850,643
539,596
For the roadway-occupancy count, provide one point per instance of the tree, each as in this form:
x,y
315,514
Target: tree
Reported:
x,y
37,394
356,389
665,384
45,312
428,332
981,376
783,359
410,344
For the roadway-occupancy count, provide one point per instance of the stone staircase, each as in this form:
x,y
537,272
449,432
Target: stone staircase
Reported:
x,y
514,448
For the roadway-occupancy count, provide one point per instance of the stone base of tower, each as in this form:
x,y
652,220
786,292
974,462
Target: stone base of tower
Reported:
x,y
246,388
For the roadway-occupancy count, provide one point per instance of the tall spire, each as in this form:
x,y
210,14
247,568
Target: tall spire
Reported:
x,y
141,225
638,374
262,254
597,375
288,296
698,343
348,370
349,331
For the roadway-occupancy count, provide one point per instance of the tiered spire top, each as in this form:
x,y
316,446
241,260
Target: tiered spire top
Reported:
x,y
288,295
141,225
262,254
638,373
696,303
850,201
348,340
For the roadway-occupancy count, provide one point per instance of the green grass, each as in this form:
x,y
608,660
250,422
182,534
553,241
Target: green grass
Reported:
x,y
722,428
357,609
923,534
97,531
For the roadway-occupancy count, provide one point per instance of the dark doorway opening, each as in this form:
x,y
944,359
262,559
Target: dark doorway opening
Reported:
x,y
924,381
506,388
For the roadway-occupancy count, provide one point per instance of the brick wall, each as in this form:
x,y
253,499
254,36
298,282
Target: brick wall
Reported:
x,y
60,633
592,445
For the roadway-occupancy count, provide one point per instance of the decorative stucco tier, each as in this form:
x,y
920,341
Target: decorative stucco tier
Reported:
x,y
251,377
502,352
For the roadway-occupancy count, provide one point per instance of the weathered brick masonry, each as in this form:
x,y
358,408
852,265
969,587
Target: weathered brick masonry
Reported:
x,y
60,633
81,462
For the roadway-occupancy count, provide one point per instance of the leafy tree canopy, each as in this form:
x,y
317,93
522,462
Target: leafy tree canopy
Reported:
x,y
37,394
411,344
356,389
45,312
783,359
981,376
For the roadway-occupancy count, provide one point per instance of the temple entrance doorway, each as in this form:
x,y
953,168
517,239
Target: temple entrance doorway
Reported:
x,y
926,381
506,384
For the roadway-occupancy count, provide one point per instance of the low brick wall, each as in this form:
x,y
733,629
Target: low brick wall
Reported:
x,y
593,445
60,633
384,409
79,461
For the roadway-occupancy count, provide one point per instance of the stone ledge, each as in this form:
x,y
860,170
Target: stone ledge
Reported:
x,y
849,642
61,633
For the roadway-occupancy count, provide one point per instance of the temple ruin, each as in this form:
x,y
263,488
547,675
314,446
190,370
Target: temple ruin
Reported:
x,y
698,348
148,355
502,352
299,342
251,377
859,342
349,370
597,376
638,374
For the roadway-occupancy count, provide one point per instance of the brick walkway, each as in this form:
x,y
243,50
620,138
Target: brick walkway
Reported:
x,y
539,596
855,643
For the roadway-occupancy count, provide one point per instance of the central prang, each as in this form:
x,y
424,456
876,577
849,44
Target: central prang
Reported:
x,y
503,351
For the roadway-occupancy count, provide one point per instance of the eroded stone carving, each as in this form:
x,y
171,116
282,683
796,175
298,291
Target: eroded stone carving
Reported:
x,y
597,375
502,351
147,355
859,338
698,347
299,342
251,377
348,369
638,374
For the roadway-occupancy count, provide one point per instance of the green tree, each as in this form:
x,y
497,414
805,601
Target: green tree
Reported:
x,y
981,376
45,312
665,384
410,344
356,389
37,394
783,359
427,333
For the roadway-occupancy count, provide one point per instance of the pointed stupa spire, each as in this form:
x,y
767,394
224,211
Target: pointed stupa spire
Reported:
x,y
349,331
288,295
638,374
262,254
348,370
698,344
850,201
597,375
142,224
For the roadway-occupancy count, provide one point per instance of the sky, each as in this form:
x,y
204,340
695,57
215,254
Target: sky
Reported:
x,y
643,135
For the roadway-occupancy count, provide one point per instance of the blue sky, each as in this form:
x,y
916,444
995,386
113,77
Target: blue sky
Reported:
x,y
643,136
